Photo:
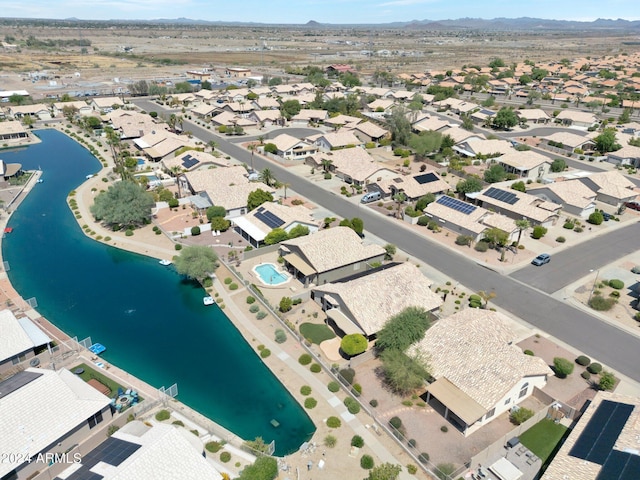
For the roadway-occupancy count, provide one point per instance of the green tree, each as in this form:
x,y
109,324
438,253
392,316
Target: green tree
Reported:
x,y
425,200
426,142
183,87
389,251
264,468
596,218
276,235
562,367
558,165
17,99
403,329
496,63
625,116
505,118
404,373
519,186
92,123
69,112
257,198
469,185
124,204
496,237
298,231
285,304
522,224
520,416
267,177
467,123
354,344
349,79
606,141
399,126
197,262
495,173
386,471
220,224
290,108
399,198
216,211
607,381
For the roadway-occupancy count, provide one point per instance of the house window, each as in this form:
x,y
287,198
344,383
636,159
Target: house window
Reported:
x,y
490,413
18,359
95,420
507,401
523,390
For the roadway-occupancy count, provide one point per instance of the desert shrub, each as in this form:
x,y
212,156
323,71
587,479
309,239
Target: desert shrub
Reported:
x,y
228,280
327,176
357,441
285,304
265,352
373,402
596,218
366,462
163,415
330,441
315,368
333,422
352,405
233,286
412,443
433,226
357,388
520,416
254,308
333,387
305,390
280,336
615,294
562,367
464,240
607,381
423,457
112,429
178,246
586,375
529,352
617,284
594,368
304,359
601,304
481,247
347,375
538,232
578,230
213,447
444,429
412,469
568,225
195,231
260,315
583,360
561,239
475,301
225,457
354,344
310,403
396,423
423,221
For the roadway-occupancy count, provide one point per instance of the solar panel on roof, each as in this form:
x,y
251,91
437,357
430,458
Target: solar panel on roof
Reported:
x,y
620,466
426,178
189,162
260,209
16,382
269,219
455,204
501,195
112,451
595,443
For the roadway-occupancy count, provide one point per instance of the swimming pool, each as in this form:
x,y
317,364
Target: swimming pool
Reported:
x,y
269,274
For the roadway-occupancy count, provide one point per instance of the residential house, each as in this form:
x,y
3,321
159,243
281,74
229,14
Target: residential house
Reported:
x,y
12,130
292,148
229,119
434,124
369,132
353,165
412,186
574,196
338,68
204,110
603,443
237,72
627,155
241,108
38,111
479,372
533,115
576,119
611,187
570,141
81,107
460,135
266,118
336,140
8,170
228,187
46,411
526,164
341,120
266,103
256,225
131,124
314,259
306,116
365,302
518,205
21,340
106,104
160,144
473,147
383,106
192,160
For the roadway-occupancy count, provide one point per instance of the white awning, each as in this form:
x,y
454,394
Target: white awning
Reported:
x,y
37,336
249,228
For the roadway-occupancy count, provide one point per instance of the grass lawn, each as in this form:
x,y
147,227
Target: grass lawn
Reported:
x,y
90,373
543,438
316,333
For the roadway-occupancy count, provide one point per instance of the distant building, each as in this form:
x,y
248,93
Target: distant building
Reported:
x,y
338,68
12,130
237,72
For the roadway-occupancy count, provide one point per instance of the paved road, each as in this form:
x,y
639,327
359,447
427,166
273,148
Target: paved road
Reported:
x,y
599,340
573,263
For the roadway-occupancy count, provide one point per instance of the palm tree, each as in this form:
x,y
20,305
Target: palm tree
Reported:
x,y
261,139
172,122
399,198
266,177
213,144
252,147
522,225
326,164
286,185
486,297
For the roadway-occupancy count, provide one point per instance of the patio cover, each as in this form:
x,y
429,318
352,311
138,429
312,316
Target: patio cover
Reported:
x,y
505,470
343,322
299,264
249,228
37,336
465,407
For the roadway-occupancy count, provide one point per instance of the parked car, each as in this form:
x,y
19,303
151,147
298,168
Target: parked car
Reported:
x,y
632,205
541,259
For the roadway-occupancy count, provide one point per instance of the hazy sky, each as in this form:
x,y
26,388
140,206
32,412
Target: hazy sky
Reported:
x,y
328,11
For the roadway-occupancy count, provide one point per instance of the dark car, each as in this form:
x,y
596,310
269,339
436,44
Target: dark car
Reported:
x,y
632,205
606,216
541,259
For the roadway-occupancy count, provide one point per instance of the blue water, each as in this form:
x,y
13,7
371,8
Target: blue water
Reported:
x,y
269,275
151,320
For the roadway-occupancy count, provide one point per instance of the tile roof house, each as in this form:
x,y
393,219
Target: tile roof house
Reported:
x,y
611,187
413,186
192,160
307,115
479,371
574,196
577,119
20,340
474,146
627,155
525,164
533,115
266,117
353,165
518,205
292,148
336,140
603,444
364,303
12,130
255,225
314,259
369,132
46,411
132,124
570,141
80,105
228,187
37,110
106,104
161,143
